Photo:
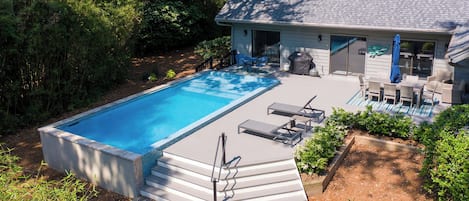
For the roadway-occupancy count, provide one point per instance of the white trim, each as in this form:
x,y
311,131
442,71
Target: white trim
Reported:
x,y
226,22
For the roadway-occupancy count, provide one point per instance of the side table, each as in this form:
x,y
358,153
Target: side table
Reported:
x,y
306,121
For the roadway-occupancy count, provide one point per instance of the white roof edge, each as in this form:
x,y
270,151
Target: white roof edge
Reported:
x,y
226,22
455,58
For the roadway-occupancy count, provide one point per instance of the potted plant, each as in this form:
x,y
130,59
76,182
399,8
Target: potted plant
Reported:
x,y
428,48
406,47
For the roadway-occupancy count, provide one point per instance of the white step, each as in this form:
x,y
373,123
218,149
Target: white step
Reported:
x,y
180,186
165,194
171,161
224,183
237,194
179,178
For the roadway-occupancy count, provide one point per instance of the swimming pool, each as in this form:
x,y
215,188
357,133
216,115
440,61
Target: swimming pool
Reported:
x,y
116,145
137,124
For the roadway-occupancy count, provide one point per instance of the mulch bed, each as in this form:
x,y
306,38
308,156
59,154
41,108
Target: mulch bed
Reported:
x,y
373,173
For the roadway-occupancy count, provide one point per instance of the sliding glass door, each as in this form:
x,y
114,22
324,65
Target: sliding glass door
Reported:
x,y
347,55
266,43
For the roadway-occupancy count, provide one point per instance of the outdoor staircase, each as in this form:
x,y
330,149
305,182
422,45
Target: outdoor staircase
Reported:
x,y
177,178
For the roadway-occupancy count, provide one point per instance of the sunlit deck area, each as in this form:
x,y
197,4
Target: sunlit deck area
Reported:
x,y
332,92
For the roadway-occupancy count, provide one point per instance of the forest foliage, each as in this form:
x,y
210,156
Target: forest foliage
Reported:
x,y
58,55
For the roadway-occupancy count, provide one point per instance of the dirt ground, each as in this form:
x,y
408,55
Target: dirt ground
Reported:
x,y
366,174
27,143
371,173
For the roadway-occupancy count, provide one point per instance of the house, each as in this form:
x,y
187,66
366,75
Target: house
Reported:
x,y
350,37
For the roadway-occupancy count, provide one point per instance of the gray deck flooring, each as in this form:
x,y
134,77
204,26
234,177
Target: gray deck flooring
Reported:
x,y
332,91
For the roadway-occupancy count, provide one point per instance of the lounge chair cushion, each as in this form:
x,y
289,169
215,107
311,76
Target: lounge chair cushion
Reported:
x,y
307,110
274,132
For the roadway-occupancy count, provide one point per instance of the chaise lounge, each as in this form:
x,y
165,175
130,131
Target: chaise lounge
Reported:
x,y
286,132
307,110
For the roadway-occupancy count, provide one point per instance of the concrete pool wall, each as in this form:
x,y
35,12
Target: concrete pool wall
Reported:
x,y
113,169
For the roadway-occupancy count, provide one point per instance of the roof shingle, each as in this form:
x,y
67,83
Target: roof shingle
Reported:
x,y
411,15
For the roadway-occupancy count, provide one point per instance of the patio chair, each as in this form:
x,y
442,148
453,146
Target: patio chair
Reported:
x,y
363,86
406,94
438,78
374,90
285,133
390,92
307,110
429,95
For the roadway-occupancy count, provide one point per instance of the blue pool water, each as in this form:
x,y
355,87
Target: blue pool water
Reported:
x,y
137,124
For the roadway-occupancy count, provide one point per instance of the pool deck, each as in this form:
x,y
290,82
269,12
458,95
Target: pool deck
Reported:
x,y
331,91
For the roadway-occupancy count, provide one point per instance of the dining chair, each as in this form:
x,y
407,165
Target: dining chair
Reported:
x,y
374,90
363,85
390,92
406,94
428,95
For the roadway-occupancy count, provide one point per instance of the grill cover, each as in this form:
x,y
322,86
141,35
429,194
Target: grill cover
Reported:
x,y
300,63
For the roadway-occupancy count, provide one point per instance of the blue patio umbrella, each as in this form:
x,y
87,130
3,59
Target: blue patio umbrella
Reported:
x,y
395,70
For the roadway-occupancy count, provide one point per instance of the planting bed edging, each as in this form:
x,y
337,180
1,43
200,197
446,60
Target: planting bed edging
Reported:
x,y
319,185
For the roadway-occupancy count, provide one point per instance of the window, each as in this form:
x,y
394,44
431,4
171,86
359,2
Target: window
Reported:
x,y
416,58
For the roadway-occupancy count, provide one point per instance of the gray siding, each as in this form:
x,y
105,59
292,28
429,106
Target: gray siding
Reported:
x,y
294,38
306,40
379,66
241,42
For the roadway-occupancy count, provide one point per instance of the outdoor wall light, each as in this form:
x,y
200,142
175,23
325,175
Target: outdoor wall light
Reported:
x,y
319,37
245,32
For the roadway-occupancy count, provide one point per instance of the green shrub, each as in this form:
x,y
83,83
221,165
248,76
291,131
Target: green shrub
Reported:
x,y
450,177
59,55
451,174
216,48
342,119
152,77
169,24
389,125
15,185
170,74
315,154
453,118
446,167
376,123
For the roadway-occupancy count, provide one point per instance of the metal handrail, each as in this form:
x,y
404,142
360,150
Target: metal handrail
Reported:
x,y
203,65
230,57
222,139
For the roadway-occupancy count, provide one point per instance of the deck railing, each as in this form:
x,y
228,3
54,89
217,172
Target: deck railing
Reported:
x,y
227,60
208,63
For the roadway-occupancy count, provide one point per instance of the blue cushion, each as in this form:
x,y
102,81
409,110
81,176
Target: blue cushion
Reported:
x,y
242,59
262,61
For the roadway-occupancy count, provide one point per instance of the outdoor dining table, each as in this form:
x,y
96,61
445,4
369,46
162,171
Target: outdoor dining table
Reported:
x,y
417,86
